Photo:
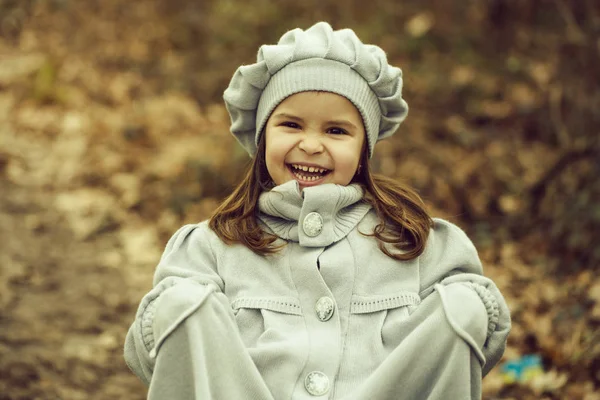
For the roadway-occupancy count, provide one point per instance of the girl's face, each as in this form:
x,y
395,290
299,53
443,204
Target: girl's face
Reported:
x,y
314,138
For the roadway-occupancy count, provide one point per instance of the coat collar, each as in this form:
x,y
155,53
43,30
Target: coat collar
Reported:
x,y
316,217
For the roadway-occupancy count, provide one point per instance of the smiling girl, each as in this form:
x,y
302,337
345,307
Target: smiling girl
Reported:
x,y
305,144
316,279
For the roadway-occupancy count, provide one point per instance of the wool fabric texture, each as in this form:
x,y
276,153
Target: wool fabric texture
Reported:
x,y
316,59
427,328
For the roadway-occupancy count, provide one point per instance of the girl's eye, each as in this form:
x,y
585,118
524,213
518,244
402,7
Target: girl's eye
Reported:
x,y
337,131
290,124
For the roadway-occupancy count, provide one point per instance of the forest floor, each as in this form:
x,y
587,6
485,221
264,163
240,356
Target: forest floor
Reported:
x,y
100,163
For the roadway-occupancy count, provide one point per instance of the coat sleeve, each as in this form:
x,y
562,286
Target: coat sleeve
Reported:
x,y
473,305
185,276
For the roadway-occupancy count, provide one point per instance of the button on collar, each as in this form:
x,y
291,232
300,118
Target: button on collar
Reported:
x,y
316,383
312,224
324,308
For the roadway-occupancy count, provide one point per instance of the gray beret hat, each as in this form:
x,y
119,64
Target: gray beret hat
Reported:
x,y
318,59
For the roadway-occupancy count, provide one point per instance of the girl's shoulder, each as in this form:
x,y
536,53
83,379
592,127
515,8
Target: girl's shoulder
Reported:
x,y
441,231
448,251
445,229
448,240
197,229
198,234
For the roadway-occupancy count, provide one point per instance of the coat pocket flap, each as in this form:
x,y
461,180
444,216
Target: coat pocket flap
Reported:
x,y
368,304
286,305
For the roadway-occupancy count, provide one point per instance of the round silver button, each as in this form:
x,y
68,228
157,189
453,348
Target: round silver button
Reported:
x,y
313,224
324,308
316,383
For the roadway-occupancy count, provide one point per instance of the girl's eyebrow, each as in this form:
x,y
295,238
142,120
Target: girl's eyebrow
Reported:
x,y
287,116
342,122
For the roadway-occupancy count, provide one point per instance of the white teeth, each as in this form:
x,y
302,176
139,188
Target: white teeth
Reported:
x,y
307,178
309,169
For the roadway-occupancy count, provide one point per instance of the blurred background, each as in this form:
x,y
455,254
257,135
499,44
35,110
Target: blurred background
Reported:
x,y
113,134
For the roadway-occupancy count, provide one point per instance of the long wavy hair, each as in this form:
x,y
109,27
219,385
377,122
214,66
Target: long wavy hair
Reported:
x,y
401,234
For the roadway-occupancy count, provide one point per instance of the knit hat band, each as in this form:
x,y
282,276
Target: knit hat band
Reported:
x,y
318,74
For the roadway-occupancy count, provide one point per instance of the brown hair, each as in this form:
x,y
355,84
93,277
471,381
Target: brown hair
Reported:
x,y
405,223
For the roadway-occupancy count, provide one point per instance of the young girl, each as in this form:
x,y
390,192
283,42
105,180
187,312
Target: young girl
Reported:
x,y
316,279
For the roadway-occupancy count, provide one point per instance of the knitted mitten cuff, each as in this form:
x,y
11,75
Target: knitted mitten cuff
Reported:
x,y
491,306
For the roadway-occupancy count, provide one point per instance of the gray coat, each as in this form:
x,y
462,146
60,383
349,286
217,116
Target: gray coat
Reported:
x,y
329,316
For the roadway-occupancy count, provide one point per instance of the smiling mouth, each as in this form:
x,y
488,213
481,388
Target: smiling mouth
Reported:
x,y
308,174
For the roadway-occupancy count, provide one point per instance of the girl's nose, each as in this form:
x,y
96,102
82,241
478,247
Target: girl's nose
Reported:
x,y
311,144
